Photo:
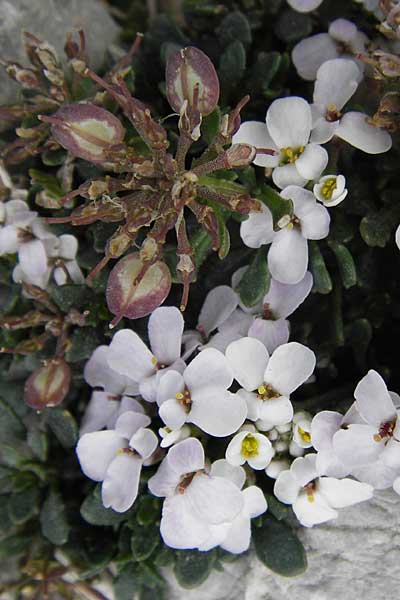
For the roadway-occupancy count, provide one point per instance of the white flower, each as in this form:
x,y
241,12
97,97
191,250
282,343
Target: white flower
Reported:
x,y
115,457
342,40
276,466
171,437
287,132
281,300
378,438
195,500
337,80
288,255
268,382
315,499
251,447
330,190
397,237
129,355
302,429
218,306
235,536
304,6
108,404
65,250
199,395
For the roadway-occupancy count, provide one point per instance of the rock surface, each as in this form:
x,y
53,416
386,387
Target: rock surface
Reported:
x,y
51,20
356,557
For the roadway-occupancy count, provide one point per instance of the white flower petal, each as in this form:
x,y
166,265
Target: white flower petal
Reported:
x,y
97,450
165,333
287,175
9,240
253,403
233,452
344,492
312,161
315,225
237,539
312,512
323,130
258,229
309,54
265,453
222,468
256,134
277,411
173,414
248,358
377,474
373,400
144,441
179,528
129,355
290,365
121,484
286,488
98,373
342,30
129,422
356,446
217,412
165,481
170,384
337,81
68,246
289,122
283,299
391,454
33,259
101,407
323,427
213,499
288,256
304,6
255,503
270,333
219,304
304,469
209,368
355,130
186,457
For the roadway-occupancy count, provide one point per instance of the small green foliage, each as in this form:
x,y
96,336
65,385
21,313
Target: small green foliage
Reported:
x,y
193,567
93,511
255,281
322,280
63,425
53,519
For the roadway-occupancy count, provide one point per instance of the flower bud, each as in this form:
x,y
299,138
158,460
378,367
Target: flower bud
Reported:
x,y
240,155
191,77
86,130
48,385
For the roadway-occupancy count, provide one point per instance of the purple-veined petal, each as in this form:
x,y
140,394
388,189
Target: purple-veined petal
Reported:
x,y
121,483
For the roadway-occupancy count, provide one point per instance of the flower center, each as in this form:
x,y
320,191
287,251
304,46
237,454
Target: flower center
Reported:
x,y
289,221
185,482
305,435
328,187
267,392
129,451
289,155
385,430
157,365
249,446
332,113
310,489
184,399
25,235
267,313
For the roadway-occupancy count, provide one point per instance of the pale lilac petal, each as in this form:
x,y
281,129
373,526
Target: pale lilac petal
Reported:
x,y
179,528
144,441
277,411
391,454
101,407
97,450
256,134
98,373
303,200
312,512
209,368
283,299
165,481
270,333
328,464
173,414
217,412
9,240
323,427
165,332
315,225
129,355
355,130
288,256
129,422
68,246
248,358
337,81
258,229
221,468
287,175
33,259
309,54
356,445
340,493
148,387
255,503
126,404
312,161
304,469
170,384
237,539
286,488
289,122
373,400
213,499
289,367
121,484
342,30
377,474
253,403
323,131
186,456
219,304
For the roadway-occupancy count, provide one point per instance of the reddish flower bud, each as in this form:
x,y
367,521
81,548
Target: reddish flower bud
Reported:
x,y
191,76
86,130
48,385
136,288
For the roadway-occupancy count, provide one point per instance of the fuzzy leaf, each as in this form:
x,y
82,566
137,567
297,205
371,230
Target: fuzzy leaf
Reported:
x,y
144,541
278,547
255,282
278,206
347,267
322,280
63,425
53,519
93,511
193,567
23,505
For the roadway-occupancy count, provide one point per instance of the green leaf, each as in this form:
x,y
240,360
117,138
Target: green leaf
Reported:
x,y
232,65
278,206
83,342
322,280
264,70
53,519
9,296
49,182
24,505
37,440
201,244
127,582
193,567
292,26
72,295
277,509
63,425
93,511
347,267
376,228
210,125
222,186
144,541
255,282
234,26
278,547
10,424
13,545
5,521
53,158
224,239
148,510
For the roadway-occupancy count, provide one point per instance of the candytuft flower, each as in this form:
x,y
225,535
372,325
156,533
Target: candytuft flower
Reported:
x,y
330,190
249,446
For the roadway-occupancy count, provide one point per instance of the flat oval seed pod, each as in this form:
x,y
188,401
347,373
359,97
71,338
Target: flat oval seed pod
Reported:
x,y
48,385
187,70
135,290
86,130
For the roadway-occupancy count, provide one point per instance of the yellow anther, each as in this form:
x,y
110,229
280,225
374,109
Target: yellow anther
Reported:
x,y
121,451
249,446
261,389
154,361
310,497
377,437
332,108
328,187
290,155
179,396
305,435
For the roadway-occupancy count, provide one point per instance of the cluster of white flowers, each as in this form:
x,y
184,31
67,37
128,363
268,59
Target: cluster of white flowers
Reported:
x,y
41,253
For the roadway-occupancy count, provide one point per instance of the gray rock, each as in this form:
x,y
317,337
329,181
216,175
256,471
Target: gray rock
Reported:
x,y
355,557
51,20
